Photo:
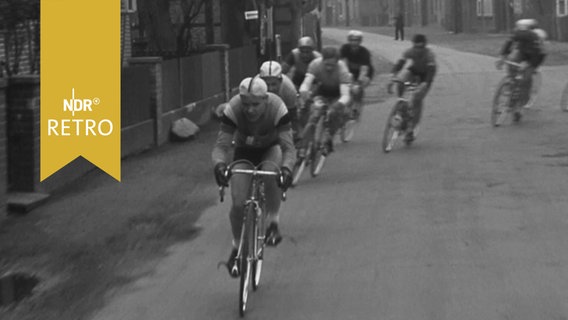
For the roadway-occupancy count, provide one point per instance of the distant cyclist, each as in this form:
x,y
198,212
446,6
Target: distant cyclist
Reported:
x,y
525,46
282,86
418,64
358,59
259,124
334,79
296,63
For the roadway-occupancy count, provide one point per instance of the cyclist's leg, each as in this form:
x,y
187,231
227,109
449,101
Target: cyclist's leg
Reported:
x,y
272,191
240,185
336,115
273,197
418,104
315,112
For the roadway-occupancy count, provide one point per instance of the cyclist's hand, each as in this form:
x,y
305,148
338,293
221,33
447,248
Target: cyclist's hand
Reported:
x,y
286,178
499,64
304,95
221,177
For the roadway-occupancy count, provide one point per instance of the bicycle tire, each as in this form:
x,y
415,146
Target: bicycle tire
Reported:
x,y
246,262
390,134
258,250
499,110
318,153
564,99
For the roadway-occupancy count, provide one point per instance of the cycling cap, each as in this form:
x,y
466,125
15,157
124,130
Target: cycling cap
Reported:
x,y
526,24
355,34
329,52
419,38
306,42
253,87
541,34
270,69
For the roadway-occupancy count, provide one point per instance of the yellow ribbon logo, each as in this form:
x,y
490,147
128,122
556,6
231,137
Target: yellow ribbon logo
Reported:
x,y
80,84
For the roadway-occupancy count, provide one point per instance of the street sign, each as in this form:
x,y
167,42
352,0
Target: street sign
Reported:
x,y
251,15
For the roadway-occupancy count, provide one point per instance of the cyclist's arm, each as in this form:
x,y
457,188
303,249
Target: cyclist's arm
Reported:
x,y
507,48
345,80
285,139
365,69
307,84
288,63
224,141
398,66
431,68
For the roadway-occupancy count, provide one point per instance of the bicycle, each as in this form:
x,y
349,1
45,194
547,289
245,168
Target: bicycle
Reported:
x,y
564,99
250,253
511,91
399,117
316,150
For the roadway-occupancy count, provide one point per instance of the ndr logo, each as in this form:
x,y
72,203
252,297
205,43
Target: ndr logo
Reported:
x,y
79,105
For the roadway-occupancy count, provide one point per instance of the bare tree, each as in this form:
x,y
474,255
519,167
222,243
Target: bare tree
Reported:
x,y
20,21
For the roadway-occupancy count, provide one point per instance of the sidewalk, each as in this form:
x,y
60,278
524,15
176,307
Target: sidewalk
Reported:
x,y
89,237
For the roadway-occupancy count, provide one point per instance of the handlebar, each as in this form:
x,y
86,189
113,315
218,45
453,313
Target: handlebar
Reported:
x,y
253,172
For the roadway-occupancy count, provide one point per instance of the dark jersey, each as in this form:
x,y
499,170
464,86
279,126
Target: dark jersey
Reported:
x,y
356,59
300,66
423,63
527,42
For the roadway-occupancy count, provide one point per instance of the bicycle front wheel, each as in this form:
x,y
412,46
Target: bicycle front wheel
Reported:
x,y
392,129
501,103
564,99
259,238
247,249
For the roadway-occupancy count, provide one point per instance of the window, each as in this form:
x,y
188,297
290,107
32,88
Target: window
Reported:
x,y
562,8
485,8
128,5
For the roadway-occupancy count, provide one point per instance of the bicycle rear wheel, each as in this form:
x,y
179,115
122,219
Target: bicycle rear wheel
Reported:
x,y
501,102
564,99
247,249
392,128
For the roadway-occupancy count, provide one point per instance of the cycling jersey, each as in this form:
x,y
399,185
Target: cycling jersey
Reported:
x,y
330,82
300,66
288,92
271,129
528,45
423,63
356,59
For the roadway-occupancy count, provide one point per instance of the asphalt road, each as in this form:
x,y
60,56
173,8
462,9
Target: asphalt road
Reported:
x,y
471,222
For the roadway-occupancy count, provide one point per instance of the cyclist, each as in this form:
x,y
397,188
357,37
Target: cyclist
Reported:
x,y
299,59
259,123
334,79
524,47
282,86
419,64
358,59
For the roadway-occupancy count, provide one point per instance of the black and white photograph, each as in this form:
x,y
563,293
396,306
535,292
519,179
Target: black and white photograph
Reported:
x,y
298,159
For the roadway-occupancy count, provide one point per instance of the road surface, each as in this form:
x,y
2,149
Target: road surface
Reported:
x,y
471,222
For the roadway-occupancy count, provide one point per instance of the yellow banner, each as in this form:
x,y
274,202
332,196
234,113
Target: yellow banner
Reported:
x,y
80,84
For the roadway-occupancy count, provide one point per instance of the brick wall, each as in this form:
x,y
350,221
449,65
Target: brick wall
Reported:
x,y
3,143
23,115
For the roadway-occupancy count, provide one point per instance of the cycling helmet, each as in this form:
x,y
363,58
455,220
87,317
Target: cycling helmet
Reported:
x,y
306,42
255,87
270,69
355,35
526,24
